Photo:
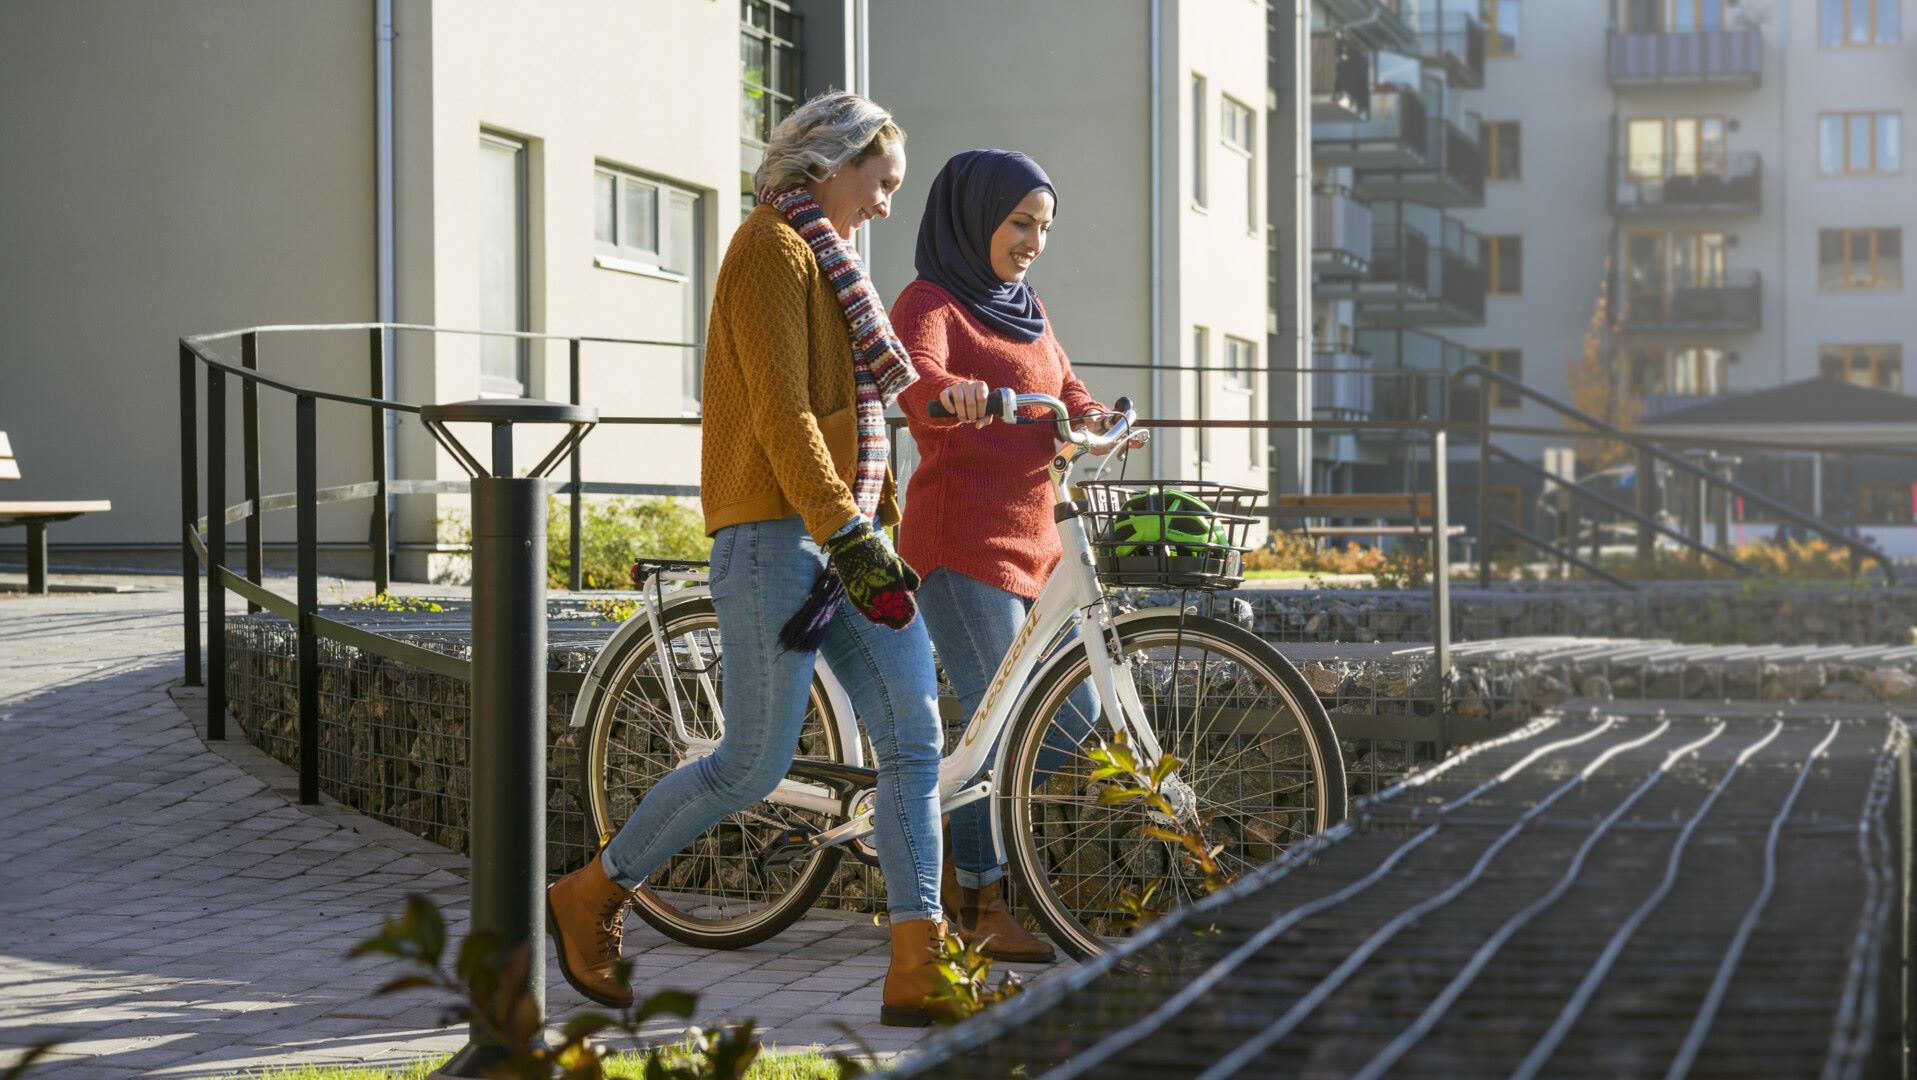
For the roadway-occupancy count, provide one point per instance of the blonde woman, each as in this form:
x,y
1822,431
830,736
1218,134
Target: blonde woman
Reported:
x,y
801,363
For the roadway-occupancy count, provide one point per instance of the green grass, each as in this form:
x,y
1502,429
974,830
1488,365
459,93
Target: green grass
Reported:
x,y
1282,575
772,1064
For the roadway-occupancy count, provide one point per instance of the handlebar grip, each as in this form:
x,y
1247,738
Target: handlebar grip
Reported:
x,y
994,406
1122,405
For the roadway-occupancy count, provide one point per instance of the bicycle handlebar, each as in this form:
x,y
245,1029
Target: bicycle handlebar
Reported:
x,y
1004,404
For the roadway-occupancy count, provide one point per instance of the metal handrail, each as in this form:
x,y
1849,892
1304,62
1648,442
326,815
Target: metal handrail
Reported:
x,y
1648,448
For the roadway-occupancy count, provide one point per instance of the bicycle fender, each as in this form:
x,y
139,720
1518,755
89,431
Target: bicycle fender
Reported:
x,y
636,626
842,714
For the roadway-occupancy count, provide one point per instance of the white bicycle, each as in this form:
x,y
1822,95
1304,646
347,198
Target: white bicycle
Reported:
x,y
1260,765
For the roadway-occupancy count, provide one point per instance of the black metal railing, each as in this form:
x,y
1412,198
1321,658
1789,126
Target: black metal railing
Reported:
x,y
1402,256
1450,34
1340,233
1395,134
1727,184
1734,303
1701,56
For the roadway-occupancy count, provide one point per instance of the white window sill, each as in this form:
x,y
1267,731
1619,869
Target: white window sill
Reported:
x,y
1241,391
633,266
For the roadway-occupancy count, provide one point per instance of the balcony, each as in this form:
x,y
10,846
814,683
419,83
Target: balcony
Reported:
x,y
1341,386
1378,23
1699,58
1414,282
1681,186
1452,177
1340,78
1399,272
1340,235
1395,137
1450,35
1734,306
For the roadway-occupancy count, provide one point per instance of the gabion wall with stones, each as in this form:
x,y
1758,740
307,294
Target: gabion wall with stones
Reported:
x,y
393,737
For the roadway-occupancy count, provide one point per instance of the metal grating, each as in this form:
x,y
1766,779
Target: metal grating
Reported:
x,y
1637,891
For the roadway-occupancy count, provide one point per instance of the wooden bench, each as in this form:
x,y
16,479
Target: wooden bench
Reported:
x,y
36,516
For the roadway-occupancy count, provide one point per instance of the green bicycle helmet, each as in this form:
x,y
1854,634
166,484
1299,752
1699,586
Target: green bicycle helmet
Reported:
x,y
1177,519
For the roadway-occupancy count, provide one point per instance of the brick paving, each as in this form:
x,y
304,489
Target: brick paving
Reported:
x,y
167,907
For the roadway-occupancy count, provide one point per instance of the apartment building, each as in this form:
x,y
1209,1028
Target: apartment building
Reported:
x,y
206,164
1742,200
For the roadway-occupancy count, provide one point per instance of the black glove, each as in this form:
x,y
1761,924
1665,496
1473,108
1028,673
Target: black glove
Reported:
x,y
877,581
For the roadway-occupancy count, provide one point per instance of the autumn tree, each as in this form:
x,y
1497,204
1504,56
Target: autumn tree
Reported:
x,y
1599,383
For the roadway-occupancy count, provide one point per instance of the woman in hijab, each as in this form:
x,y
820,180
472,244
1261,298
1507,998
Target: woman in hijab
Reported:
x,y
978,525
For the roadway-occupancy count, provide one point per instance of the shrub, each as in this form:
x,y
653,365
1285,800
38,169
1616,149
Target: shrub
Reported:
x,y
617,531
1815,559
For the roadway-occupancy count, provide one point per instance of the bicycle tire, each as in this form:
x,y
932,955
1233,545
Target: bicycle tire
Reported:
x,y
1072,857
715,894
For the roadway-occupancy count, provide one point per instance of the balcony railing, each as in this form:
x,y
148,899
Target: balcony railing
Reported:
x,y
1340,78
1686,185
1449,34
1402,258
1340,234
1451,177
1734,305
1698,57
1381,23
1340,387
1395,137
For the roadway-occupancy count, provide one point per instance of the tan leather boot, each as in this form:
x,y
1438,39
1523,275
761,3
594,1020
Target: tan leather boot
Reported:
x,y
914,976
986,923
586,912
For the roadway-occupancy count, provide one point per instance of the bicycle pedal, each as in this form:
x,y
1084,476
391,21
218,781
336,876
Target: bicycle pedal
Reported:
x,y
791,846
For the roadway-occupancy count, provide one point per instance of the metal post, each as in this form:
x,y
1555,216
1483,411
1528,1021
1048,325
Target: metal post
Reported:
x,y
574,542
1721,502
306,483
215,553
1441,574
1484,492
382,544
37,558
250,463
1646,505
189,511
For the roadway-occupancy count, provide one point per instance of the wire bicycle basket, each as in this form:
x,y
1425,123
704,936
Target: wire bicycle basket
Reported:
x,y
1171,534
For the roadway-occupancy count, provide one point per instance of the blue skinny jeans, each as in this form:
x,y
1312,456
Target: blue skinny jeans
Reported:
x,y
760,574
973,626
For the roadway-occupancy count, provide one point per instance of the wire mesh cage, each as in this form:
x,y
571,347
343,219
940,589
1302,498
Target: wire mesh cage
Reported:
x,y
1174,534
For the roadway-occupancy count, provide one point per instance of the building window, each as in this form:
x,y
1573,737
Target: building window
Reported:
x,y
504,271
1850,24
1501,149
1674,16
1238,132
1198,140
768,66
1885,503
1504,255
649,226
1860,259
1656,148
1501,37
1509,363
1200,347
1680,372
1876,367
1241,357
1859,143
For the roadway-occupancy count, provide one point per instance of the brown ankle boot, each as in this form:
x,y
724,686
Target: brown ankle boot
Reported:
x,y
951,893
988,924
586,912
914,978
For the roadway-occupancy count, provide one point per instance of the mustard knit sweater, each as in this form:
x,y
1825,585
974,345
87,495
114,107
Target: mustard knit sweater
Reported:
x,y
780,435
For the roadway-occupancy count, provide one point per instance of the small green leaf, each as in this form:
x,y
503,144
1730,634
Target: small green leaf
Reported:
x,y
407,982
666,1003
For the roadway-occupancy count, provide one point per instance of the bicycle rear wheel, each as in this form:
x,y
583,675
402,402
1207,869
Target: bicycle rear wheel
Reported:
x,y
1261,766
717,893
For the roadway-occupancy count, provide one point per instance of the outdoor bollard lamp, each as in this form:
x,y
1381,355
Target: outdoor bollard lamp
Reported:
x,y
507,753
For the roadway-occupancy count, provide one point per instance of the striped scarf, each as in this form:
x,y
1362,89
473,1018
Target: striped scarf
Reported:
x,y
880,366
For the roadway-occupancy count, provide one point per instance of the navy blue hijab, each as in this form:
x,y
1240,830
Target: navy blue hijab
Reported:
x,y
970,198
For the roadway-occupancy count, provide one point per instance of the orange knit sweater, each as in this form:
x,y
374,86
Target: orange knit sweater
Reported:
x,y
979,499
780,434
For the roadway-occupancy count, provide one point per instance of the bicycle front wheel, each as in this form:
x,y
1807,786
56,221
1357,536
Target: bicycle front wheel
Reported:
x,y
1260,768
718,893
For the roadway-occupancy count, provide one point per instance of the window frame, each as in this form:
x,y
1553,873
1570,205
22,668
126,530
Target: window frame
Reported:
x,y
1879,358
1899,493
1227,106
1844,119
1200,144
1238,368
1875,281
652,261
1488,15
773,44
520,385
1844,8
1502,396
1493,137
1495,248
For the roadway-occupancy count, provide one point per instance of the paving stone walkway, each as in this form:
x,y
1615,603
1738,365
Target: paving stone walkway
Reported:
x,y
167,908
